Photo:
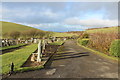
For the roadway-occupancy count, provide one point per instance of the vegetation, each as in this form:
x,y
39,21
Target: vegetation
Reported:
x,y
85,35
23,69
10,47
18,57
83,42
103,30
114,48
55,34
100,39
99,53
9,27
57,43
13,30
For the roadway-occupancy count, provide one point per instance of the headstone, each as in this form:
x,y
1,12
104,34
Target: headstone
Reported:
x,y
26,42
64,39
39,51
43,44
35,40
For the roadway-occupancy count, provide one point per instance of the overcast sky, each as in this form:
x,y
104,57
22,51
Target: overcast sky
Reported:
x,y
61,16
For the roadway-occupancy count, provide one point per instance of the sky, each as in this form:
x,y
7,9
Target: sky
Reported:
x,y
61,16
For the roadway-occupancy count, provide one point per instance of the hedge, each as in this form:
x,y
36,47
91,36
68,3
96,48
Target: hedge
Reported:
x,y
114,48
83,42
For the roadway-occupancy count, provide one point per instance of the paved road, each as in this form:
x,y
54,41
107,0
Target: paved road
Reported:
x,y
74,62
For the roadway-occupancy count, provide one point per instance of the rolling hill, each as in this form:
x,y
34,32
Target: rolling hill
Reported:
x,y
8,27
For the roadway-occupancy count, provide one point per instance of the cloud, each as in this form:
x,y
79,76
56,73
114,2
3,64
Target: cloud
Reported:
x,y
57,27
91,22
61,16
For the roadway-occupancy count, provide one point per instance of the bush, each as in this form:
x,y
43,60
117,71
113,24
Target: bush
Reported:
x,y
85,35
114,48
84,42
101,41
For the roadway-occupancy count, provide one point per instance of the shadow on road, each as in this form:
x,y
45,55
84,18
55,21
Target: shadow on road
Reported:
x,y
69,55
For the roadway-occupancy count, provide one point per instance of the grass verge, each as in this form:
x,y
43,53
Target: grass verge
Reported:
x,y
99,53
18,57
25,69
57,43
10,47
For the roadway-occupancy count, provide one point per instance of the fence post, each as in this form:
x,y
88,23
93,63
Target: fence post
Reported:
x,y
39,51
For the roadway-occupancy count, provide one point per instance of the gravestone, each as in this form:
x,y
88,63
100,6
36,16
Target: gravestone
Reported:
x,y
39,51
35,40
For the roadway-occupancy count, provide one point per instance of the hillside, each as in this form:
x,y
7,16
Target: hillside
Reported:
x,y
8,27
103,30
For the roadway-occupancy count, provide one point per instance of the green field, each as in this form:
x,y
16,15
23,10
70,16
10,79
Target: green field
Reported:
x,y
18,57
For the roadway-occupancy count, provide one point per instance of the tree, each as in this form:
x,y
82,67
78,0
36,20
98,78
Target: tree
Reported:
x,y
14,34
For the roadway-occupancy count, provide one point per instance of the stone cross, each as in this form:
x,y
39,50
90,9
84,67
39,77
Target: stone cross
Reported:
x,y
39,51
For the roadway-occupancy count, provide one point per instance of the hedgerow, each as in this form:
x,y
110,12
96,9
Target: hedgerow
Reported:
x,y
114,48
83,42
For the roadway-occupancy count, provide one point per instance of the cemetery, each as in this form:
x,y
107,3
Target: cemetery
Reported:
x,y
51,40
33,54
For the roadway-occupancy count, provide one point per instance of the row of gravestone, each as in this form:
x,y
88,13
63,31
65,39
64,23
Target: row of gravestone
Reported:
x,y
10,42
41,48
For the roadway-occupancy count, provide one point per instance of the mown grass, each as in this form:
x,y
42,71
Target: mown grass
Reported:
x,y
57,43
18,57
13,46
24,69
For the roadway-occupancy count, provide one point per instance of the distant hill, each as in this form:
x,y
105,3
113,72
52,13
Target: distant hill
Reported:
x,y
103,30
9,27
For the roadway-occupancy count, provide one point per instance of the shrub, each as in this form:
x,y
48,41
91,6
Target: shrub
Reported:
x,y
85,35
102,41
84,42
114,48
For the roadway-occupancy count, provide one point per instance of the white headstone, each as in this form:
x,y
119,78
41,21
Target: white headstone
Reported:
x,y
39,51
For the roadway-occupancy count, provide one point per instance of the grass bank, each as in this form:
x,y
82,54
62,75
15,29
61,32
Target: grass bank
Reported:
x,y
98,53
57,43
18,57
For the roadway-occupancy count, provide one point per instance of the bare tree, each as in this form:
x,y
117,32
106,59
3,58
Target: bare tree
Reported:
x,y
14,34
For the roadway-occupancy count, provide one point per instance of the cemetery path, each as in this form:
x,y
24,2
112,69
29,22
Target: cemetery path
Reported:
x,y
74,61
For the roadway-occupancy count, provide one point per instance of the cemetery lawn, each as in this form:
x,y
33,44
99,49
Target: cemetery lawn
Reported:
x,y
57,43
18,57
10,47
